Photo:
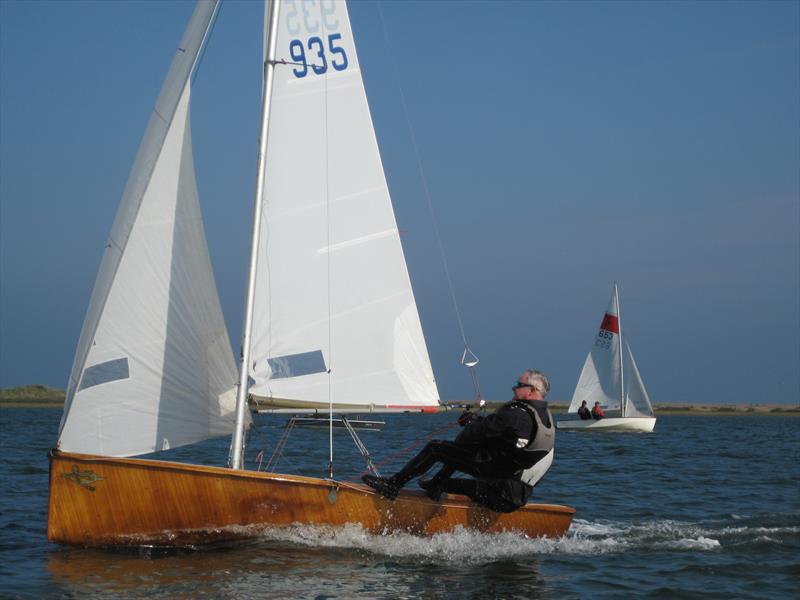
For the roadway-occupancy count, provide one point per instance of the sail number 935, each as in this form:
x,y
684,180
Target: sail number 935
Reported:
x,y
318,55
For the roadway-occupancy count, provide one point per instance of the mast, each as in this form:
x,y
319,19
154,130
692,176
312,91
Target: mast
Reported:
x,y
619,342
236,458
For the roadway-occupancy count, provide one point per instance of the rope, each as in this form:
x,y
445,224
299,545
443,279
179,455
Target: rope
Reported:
x,y
424,180
435,223
474,373
407,449
278,452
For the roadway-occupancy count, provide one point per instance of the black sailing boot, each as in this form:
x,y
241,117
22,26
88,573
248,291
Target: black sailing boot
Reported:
x,y
388,488
433,489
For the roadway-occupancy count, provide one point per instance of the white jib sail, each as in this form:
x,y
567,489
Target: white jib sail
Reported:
x,y
637,402
600,377
335,318
154,367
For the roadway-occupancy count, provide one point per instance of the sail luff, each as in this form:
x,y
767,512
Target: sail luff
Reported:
x,y
236,459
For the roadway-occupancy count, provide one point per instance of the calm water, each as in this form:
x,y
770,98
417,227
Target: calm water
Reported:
x,y
705,507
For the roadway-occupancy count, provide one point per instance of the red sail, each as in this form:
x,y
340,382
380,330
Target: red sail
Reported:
x,y
610,323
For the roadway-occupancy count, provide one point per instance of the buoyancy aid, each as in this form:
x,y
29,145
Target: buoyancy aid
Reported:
x,y
529,452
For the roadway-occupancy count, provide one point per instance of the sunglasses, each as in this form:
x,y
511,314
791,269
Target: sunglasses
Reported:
x,y
517,385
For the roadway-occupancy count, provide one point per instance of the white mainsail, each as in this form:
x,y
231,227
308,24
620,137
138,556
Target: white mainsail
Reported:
x,y
154,367
335,320
600,379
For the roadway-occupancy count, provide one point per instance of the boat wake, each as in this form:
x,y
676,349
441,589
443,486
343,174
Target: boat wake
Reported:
x,y
584,538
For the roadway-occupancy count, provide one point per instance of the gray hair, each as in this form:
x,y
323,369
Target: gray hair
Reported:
x,y
539,381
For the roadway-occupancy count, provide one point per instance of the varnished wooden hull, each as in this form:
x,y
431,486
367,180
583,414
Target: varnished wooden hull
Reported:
x,y
99,501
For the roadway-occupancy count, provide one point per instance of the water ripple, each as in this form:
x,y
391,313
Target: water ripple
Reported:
x,y
680,513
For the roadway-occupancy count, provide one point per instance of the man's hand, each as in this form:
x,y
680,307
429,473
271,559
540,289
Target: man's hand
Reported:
x,y
466,417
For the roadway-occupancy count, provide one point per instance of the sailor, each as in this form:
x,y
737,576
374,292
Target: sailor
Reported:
x,y
583,412
597,411
506,452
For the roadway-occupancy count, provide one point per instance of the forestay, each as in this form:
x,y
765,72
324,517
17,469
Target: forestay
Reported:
x,y
154,367
335,320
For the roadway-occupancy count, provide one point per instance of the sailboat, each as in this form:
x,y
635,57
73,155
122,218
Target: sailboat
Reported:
x,y
611,378
330,319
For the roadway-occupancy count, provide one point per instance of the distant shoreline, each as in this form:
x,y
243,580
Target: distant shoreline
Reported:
x,y
32,396
40,396
717,409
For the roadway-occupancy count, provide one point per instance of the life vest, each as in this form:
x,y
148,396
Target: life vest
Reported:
x,y
529,452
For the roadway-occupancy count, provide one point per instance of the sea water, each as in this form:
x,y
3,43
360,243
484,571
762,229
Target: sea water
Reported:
x,y
704,507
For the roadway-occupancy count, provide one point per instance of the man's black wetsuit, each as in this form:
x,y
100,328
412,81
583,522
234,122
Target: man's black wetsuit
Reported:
x,y
495,450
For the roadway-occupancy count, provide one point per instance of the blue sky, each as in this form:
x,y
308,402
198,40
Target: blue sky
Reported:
x,y
566,145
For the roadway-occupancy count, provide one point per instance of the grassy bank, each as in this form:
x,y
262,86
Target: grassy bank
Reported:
x,y
677,408
31,396
41,396
728,409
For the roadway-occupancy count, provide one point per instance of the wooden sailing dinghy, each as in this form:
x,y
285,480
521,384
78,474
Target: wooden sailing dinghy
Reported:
x,y
330,321
610,376
96,501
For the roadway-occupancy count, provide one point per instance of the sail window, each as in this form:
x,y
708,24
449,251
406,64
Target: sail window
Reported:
x,y
295,365
104,372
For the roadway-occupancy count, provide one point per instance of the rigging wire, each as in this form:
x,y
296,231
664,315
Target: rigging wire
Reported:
x,y
407,449
468,358
277,453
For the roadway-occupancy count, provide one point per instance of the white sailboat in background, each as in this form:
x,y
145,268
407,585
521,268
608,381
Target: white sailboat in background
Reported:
x,y
330,322
611,378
